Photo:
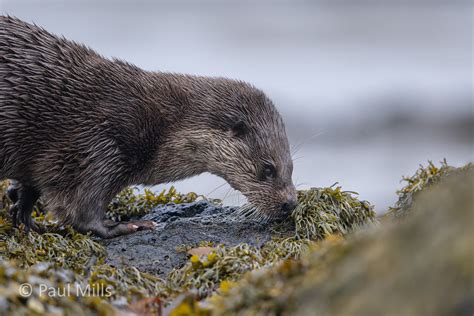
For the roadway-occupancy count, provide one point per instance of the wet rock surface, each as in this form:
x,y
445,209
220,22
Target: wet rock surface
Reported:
x,y
186,224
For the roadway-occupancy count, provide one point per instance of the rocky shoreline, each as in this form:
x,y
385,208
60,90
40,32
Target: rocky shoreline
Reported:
x,y
186,224
334,257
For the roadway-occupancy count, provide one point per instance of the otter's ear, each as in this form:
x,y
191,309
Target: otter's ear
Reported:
x,y
239,129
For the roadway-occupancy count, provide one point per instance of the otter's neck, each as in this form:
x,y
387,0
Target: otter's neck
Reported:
x,y
172,102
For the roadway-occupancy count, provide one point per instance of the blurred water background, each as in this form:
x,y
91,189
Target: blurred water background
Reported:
x,y
369,89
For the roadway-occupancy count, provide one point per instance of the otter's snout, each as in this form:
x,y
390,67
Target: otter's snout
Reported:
x,y
289,202
288,206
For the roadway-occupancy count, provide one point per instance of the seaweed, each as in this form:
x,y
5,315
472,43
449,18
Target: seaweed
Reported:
x,y
322,212
18,298
72,251
325,211
5,202
270,291
204,273
423,178
397,268
63,258
130,204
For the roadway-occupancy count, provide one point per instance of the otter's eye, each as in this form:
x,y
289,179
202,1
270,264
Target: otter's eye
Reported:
x,y
269,172
239,129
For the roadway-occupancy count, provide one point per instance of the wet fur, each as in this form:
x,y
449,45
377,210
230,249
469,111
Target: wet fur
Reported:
x,y
76,128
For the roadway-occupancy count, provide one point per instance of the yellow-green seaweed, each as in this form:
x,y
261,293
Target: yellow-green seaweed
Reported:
x,y
420,266
129,203
322,212
423,178
325,211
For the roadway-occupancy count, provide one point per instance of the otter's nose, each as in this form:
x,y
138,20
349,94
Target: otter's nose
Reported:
x,y
289,206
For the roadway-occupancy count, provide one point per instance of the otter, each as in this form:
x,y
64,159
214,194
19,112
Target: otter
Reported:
x,y
76,128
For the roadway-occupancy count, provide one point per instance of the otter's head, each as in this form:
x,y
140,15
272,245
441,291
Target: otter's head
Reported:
x,y
240,136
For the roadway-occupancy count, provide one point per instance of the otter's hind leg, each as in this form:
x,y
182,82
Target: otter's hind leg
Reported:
x,y
24,198
110,229
92,219
107,228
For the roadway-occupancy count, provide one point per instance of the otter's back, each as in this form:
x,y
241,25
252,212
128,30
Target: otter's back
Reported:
x,y
47,88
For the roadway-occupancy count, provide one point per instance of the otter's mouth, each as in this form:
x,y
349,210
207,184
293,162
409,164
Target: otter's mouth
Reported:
x,y
253,212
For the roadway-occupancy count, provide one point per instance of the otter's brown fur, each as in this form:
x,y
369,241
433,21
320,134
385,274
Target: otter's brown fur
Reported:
x,y
76,128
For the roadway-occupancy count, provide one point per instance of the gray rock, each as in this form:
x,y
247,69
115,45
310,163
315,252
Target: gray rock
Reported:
x,y
185,224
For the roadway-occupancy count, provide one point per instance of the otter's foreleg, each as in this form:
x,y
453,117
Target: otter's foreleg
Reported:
x,y
13,193
24,198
